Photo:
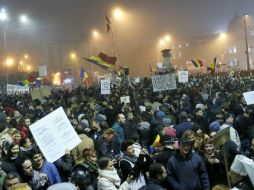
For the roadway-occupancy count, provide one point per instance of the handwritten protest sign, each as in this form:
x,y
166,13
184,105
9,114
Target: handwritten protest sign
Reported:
x,y
164,82
54,134
182,76
105,86
249,97
12,89
125,99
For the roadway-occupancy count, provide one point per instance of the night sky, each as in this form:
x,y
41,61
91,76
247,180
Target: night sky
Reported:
x,y
146,20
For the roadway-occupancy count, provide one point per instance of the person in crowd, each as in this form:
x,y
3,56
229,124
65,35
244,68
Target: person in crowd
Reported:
x,y
214,163
108,178
43,166
168,149
36,180
184,124
90,157
64,166
86,142
130,164
118,126
157,177
96,131
9,159
26,145
186,169
144,129
15,134
10,180
129,127
108,145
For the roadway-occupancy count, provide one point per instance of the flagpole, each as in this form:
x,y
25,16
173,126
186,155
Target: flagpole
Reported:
x,y
246,42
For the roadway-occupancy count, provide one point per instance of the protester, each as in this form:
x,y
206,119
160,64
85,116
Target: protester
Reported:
x,y
108,178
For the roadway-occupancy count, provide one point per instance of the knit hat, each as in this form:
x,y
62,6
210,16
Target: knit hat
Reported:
x,y
214,126
99,118
160,114
84,123
167,140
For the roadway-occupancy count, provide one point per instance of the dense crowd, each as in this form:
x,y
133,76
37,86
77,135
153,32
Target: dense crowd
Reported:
x,y
160,140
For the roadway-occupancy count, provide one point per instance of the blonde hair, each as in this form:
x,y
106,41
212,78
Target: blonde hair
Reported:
x,y
220,187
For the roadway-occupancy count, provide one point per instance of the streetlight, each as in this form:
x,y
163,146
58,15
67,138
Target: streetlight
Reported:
x,y
74,57
118,13
4,17
9,62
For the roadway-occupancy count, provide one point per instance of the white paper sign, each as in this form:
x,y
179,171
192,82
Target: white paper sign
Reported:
x,y
53,134
11,89
137,80
43,71
164,82
125,99
182,76
105,86
249,97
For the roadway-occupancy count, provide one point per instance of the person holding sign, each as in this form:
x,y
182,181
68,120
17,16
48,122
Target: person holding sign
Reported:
x,y
44,166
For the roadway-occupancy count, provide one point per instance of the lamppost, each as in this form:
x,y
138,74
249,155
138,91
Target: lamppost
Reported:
x,y
74,57
246,42
4,18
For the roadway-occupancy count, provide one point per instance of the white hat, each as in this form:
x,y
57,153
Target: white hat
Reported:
x,y
200,106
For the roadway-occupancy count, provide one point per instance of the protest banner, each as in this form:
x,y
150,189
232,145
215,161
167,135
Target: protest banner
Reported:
x,y
12,89
43,70
54,134
125,99
164,82
182,76
105,86
39,93
249,97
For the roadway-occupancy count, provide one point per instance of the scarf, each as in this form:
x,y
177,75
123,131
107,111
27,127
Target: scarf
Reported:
x,y
131,159
112,176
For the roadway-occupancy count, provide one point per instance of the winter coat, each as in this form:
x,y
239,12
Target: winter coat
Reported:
x,y
77,152
187,173
119,131
109,180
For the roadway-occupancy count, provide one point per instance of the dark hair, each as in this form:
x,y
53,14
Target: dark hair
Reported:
x,y
154,170
9,149
125,144
35,150
103,162
19,162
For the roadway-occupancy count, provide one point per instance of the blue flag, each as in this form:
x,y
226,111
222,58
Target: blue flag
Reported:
x,y
82,73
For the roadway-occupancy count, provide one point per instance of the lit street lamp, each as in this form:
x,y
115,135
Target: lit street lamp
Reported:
x,y
4,18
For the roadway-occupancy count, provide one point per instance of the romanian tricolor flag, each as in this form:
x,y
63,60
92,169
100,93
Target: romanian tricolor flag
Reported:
x,y
212,66
103,61
156,141
197,63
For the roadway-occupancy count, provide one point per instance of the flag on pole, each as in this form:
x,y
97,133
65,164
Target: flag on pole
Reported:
x,y
82,73
108,23
212,66
103,61
197,63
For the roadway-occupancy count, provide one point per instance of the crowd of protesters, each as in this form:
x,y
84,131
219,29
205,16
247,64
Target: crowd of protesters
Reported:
x,y
160,140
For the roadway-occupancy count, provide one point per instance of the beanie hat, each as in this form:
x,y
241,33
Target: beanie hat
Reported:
x,y
160,114
62,186
214,126
99,118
